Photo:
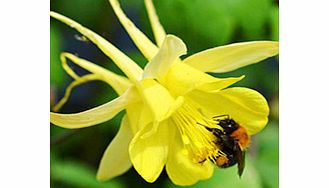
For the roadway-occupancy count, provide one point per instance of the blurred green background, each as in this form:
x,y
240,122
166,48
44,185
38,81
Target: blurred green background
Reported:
x,y
201,24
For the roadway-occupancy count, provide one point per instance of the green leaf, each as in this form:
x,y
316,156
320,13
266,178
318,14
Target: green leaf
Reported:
x,y
88,10
57,74
275,23
78,175
268,156
252,16
212,26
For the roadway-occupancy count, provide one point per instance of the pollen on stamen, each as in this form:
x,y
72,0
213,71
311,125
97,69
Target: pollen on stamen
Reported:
x,y
199,142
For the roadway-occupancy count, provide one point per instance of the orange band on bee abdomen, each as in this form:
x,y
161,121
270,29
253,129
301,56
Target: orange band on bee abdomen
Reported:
x,y
242,136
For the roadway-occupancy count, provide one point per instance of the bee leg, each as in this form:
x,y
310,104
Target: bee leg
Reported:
x,y
203,160
216,132
212,159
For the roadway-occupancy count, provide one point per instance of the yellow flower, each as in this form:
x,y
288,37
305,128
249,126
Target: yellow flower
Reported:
x,y
166,102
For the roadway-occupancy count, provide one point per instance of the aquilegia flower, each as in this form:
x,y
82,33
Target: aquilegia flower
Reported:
x,y
170,104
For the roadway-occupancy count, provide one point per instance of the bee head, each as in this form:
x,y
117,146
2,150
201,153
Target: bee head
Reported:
x,y
229,125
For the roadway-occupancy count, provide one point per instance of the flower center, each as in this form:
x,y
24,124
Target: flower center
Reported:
x,y
199,143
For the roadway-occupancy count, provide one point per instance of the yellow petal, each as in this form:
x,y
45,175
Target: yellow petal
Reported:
x,y
95,115
158,99
75,83
144,44
134,113
128,66
139,115
183,78
119,83
230,57
157,28
149,155
219,84
170,51
115,160
246,106
180,168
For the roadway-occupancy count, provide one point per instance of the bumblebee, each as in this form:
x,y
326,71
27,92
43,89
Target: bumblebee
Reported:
x,y
233,141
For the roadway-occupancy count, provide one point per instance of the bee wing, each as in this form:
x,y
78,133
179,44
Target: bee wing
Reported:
x,y
241,160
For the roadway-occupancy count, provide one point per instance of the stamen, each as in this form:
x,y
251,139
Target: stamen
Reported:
x,y
199,143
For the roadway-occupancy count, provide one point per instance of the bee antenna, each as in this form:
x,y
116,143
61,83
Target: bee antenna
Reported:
x,y
209,129
224,115
200,124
